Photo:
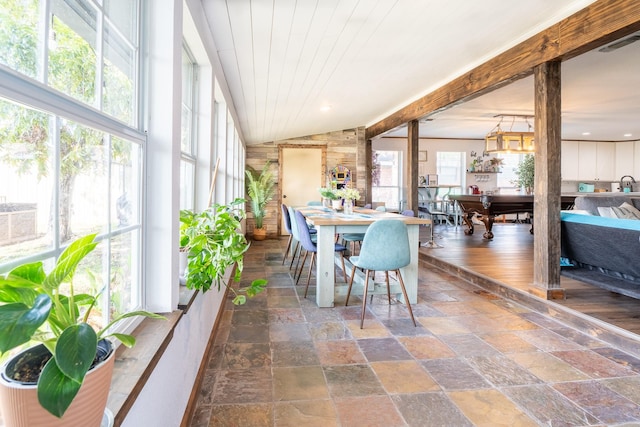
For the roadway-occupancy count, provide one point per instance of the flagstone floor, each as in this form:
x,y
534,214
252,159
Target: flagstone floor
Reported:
x,y
474,359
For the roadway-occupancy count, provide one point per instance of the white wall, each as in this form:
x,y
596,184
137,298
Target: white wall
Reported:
x,y
163,400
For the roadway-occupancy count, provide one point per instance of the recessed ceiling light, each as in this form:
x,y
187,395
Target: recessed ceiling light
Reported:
x,y
627,135
586,133
325,108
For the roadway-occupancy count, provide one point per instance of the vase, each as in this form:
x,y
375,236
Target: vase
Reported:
x,y
348,207
336,204
19,401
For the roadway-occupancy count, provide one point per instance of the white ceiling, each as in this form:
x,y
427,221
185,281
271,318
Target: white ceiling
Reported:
x,y
284,60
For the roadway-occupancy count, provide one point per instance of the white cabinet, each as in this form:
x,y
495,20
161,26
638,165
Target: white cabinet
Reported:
x,y
606,160
569,164
625,160
596,161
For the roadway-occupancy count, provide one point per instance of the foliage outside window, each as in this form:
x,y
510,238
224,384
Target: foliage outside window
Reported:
x,y
59,177
67,42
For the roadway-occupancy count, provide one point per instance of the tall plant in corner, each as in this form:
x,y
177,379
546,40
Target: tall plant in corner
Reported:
x,y
260,189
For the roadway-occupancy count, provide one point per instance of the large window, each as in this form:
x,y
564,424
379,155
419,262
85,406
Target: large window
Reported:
x,y
510,162
387,186
70,150
67,51
59,180
188,133
450,168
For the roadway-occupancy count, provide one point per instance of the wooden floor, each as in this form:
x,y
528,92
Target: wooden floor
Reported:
x,y
505,265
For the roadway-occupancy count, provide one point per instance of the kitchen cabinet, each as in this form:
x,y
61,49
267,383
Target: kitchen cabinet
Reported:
x,y
569,164
596,161
625,159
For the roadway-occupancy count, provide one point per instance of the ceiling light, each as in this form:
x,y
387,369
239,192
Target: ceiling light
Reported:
x,y
627,135
586,133
501,141
325,108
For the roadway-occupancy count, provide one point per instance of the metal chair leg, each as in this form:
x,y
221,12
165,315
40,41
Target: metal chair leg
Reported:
x,y
406,297
288,249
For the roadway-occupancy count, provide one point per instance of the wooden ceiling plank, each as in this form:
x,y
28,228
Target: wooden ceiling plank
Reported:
x,y
601,22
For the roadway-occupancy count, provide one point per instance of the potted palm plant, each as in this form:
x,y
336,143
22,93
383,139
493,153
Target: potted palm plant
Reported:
x,y
69,372
526,174
260,189
213,242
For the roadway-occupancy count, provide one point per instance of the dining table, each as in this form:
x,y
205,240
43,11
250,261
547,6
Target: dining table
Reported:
x,y
329,222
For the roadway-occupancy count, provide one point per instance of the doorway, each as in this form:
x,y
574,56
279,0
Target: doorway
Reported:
x,y
302,173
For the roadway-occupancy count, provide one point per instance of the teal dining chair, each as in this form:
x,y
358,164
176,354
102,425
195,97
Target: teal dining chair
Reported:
x,y
385,248
310,247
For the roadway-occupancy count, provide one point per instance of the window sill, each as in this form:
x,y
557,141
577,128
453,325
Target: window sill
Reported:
x,y
134,366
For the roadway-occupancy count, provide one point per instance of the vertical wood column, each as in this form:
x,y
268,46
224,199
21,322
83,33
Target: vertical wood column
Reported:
x,y
368,153
413,142
546,219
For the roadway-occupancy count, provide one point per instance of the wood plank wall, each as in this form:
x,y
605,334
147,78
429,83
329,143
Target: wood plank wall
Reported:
x,y
343,147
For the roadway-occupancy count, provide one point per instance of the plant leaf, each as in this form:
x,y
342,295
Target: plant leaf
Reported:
x,y
56,391
69,260
18,322
125,339
75,350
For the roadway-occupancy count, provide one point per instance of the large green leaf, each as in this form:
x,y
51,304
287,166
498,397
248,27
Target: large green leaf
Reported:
x,y
76,350
18,322
56,391
69,260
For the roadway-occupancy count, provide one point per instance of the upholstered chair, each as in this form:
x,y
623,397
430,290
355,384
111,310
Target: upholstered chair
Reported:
x,y
385,248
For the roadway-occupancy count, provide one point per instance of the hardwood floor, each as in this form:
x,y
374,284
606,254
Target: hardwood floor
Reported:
x,y
505,265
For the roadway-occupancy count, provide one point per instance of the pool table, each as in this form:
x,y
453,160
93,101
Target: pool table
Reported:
x,y
490,206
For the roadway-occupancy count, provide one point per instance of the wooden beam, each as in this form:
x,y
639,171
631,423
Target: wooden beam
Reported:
x,y
368,152
546,218
599,23
413,143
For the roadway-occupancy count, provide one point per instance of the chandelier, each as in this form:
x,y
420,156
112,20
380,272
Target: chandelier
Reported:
x,y
502,141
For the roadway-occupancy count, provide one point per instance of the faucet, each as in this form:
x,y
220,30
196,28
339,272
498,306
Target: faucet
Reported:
x,y
627,184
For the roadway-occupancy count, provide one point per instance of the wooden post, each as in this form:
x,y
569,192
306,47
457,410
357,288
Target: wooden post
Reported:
x,y
413,141
546,218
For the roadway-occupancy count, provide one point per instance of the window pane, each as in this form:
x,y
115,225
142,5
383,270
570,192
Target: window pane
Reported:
x,y
72,64
125,183
125,273
119,70
450,166
26,183
389,164
124,15
83,181
19,35
510,163
187,190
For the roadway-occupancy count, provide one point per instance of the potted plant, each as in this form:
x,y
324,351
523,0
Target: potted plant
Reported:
x,y
37,308
526,174
260,189
330,194
213,242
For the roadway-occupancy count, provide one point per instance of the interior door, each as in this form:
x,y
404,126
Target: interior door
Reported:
x,y
302,175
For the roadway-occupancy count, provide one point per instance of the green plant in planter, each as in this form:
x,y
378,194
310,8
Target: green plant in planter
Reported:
x,y
526,173
328,193
260,189
214,243
35,309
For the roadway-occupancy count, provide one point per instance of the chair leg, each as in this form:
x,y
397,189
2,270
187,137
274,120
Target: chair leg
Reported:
x,y
386,275
313,258
364,298
353,273
293,257
344,270
288,249
406,297
297,273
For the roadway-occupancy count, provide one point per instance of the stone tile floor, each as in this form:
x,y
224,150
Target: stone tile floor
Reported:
x,y
474,359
